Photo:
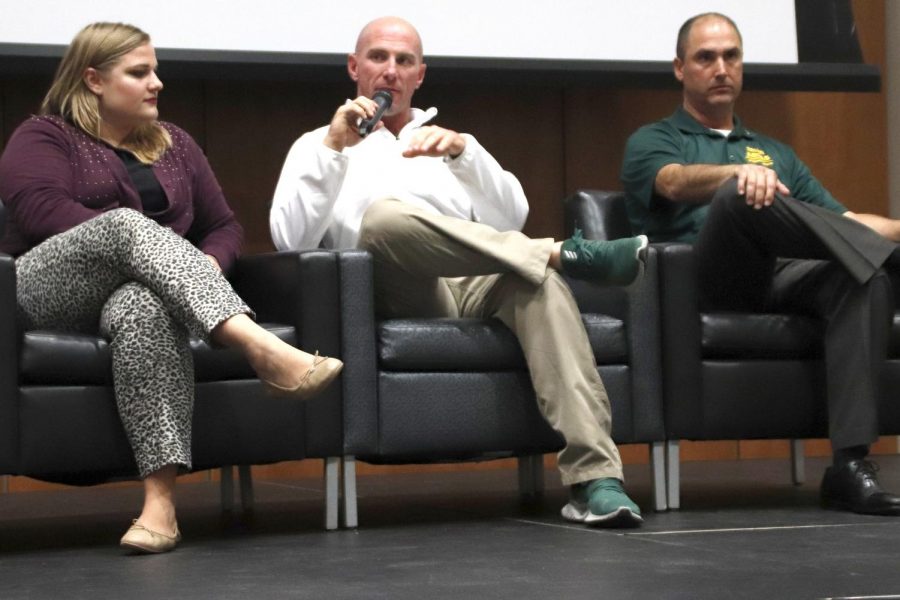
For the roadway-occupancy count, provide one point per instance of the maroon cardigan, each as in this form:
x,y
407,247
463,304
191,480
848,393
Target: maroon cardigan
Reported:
x,y
53,176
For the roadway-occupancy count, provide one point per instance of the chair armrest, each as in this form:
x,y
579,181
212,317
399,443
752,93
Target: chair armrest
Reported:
x,y
681,337
638,306
644,324
295,288
9,331
9,366
271,284
601,215
360,352
328,296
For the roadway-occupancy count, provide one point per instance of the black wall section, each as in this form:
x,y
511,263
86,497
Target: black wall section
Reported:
x,y
826,32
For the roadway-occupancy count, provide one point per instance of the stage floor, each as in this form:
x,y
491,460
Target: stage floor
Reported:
x,y
744,531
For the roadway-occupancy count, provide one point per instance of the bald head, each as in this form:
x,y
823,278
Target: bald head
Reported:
x,y
388,58
684,32
389,27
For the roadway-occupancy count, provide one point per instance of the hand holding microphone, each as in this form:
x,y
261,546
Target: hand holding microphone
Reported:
x,y
383,101
351,123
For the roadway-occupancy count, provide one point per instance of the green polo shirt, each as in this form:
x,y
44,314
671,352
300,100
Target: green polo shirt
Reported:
x,y
680,139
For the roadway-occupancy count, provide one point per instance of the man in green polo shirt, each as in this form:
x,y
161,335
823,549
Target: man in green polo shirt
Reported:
x,y
653,147
768,236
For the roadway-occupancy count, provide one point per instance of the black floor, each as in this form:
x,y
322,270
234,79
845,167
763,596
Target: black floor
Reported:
x,y
744,531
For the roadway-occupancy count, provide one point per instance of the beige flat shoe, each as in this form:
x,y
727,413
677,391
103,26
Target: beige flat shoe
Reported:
x,y
141,540
316,379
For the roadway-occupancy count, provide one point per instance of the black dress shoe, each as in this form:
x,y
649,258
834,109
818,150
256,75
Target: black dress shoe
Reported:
x,y
853,486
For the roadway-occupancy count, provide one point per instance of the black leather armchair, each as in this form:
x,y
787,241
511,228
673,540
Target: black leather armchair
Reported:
x,y
458,389
889,407
58,418
727,375
736,375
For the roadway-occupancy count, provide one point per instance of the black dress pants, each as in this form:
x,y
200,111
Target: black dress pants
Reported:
x,y
796,257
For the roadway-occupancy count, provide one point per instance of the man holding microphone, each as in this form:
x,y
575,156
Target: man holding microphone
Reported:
x,y
443,222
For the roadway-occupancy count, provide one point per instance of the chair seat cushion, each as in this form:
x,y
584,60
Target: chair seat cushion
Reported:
x,y
50,357
760,336
479,344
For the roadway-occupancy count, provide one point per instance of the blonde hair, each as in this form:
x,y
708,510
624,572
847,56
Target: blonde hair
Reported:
x,y
101,46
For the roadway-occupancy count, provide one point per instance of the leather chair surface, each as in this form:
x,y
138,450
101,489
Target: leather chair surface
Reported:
x,y
735,375
51,358
479,344
750,336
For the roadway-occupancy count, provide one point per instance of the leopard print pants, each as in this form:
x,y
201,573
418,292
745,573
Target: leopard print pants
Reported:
x,y
145,289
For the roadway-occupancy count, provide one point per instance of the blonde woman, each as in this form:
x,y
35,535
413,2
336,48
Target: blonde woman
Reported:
x,y
120,227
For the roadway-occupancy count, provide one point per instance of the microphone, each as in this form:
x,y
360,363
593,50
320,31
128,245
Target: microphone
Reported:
x,y
383,99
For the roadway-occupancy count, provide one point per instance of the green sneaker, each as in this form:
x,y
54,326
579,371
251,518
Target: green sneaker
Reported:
x,y
601,503
615,262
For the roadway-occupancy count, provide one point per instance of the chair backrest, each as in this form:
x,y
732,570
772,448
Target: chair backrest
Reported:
x,y
601,215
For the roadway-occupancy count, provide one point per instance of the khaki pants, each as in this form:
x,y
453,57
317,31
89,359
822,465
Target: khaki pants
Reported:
x,y
430,265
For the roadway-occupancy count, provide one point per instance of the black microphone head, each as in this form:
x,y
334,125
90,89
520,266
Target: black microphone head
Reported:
x,y
385,98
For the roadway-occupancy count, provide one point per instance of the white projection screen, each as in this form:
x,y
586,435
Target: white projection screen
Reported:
x,y
606,30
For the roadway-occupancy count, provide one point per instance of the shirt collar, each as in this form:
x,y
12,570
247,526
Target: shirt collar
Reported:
x,y
683,120
419,118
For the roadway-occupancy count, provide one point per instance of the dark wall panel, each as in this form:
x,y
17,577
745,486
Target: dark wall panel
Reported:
x,y
250,128
522,128
183,102
597,123
21,98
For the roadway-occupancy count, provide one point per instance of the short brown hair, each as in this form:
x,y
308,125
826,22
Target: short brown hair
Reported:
x,y
685,31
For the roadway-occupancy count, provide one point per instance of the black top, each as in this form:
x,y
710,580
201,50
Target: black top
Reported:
x,y
153,197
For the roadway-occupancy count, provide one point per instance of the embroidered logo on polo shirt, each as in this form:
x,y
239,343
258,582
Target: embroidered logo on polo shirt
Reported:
x,y
755,156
